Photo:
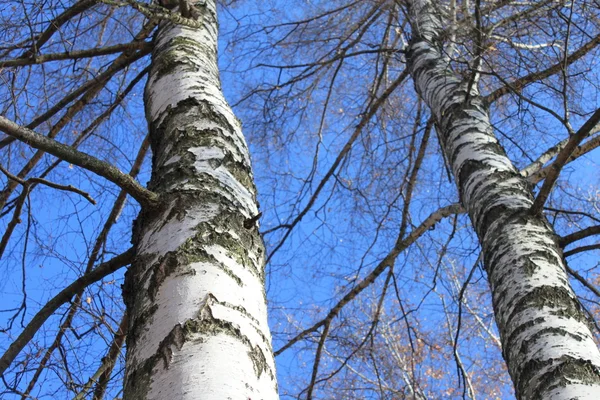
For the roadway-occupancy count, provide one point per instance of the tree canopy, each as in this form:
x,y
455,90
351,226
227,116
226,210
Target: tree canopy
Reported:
x,y
375,276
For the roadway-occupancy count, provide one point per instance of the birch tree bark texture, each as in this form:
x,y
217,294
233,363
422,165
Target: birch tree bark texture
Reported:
x,y
546,339
195,294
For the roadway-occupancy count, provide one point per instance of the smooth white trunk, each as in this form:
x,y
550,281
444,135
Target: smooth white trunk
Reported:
x,y
546,339
195,295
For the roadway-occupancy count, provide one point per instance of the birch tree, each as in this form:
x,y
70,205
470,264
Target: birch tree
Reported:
x,y
194,293
546,340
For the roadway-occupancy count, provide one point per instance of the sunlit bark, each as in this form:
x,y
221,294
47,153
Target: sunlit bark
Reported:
x,y
195,295
546,340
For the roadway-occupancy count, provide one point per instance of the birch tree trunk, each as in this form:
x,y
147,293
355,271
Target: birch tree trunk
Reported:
x,y
546,340
195,294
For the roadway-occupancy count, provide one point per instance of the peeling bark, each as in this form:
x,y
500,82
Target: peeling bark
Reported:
x,y
195,294
546,339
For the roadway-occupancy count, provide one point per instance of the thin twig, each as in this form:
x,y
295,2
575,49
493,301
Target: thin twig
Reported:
x,y
68,188
65,295
561,159
518,84
341,156
583,281
401,244
15,220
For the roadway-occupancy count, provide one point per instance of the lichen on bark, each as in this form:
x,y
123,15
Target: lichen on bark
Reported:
x,y
547,342
196,295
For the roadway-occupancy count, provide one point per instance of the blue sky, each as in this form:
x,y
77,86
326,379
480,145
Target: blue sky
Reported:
x,y
334,243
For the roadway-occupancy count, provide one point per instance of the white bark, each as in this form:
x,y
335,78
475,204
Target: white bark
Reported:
x,y
195,295
546,339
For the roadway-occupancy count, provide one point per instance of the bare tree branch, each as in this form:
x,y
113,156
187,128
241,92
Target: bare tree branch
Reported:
x,y
77,54
581,249
583,281
561,159
145,197
520,83
68,188
65,295
573,237
387,261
